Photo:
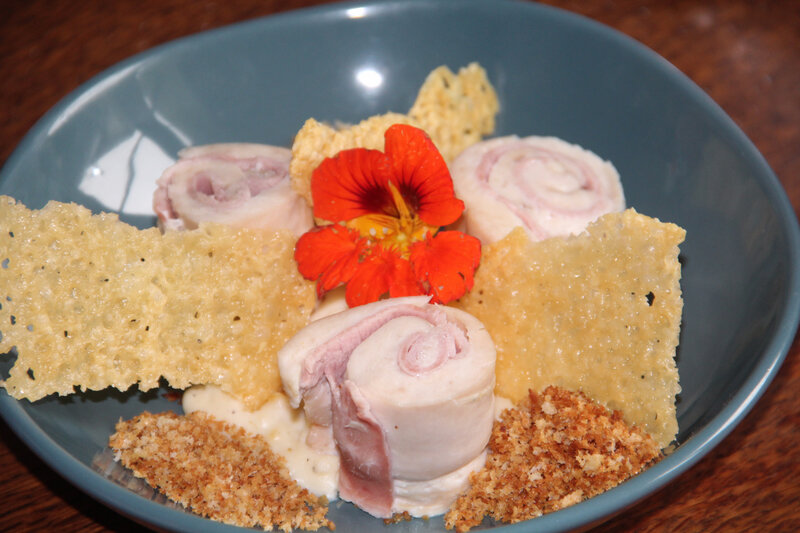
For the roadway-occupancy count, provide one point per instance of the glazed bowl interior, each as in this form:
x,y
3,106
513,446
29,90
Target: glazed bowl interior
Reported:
x,y
680,157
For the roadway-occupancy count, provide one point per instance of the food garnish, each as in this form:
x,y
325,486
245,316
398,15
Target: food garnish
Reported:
x,y
456,110
386,209
552,450
217,470
92,302
601,313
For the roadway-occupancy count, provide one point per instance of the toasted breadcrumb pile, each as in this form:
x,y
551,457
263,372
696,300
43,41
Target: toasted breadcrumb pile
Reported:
x,y
217,470
554,449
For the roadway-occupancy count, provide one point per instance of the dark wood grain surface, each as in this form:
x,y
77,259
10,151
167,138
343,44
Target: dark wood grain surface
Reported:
x,y
744,53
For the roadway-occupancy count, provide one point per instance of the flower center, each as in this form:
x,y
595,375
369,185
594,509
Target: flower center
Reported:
x,y
393,232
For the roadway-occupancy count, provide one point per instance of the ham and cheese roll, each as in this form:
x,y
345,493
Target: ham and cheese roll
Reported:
x,y
243,185
405,390
548,186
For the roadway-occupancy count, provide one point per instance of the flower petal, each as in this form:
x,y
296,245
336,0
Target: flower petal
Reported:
x,y
446,263
404,282
328,255
351,184
382,272
421,175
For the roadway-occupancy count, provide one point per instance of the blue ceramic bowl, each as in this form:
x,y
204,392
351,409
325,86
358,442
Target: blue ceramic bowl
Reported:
x,y
680,157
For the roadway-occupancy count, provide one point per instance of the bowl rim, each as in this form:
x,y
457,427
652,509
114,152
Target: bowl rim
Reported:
x,y
590,512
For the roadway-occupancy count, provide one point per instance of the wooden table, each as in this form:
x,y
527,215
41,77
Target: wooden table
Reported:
x,y
744,53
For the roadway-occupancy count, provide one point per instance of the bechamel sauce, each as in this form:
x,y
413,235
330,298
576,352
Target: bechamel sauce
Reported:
x,y
287,429
333,302
500,405
433,497
284,427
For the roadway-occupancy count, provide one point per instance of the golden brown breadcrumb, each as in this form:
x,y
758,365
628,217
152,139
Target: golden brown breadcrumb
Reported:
x,y
396,518
217,470
552,450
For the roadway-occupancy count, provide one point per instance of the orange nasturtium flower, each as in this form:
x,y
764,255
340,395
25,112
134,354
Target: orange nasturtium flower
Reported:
x,y
386,210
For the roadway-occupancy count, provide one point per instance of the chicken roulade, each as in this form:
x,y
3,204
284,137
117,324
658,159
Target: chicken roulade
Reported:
x,y
548,186
243,185
404,389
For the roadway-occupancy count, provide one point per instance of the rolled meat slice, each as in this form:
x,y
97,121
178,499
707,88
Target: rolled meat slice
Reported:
x,y
405,389
239,184
544,184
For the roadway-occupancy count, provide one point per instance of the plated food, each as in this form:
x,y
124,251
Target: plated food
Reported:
x,y
238,184
681,159
190,306
545,185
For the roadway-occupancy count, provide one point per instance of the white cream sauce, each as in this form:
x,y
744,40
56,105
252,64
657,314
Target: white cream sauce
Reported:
x,y
333,302
501,404
433,497
285,429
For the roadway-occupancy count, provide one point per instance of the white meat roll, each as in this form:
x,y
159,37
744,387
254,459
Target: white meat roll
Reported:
x,y
544,184
405,390
239,184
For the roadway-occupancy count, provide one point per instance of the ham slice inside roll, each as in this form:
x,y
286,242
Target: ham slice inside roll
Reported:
x,y
405,389
544,184
242,185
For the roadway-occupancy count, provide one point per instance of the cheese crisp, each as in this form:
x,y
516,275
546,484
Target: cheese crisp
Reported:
x,y
599,312
456,110
92,302
315,141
